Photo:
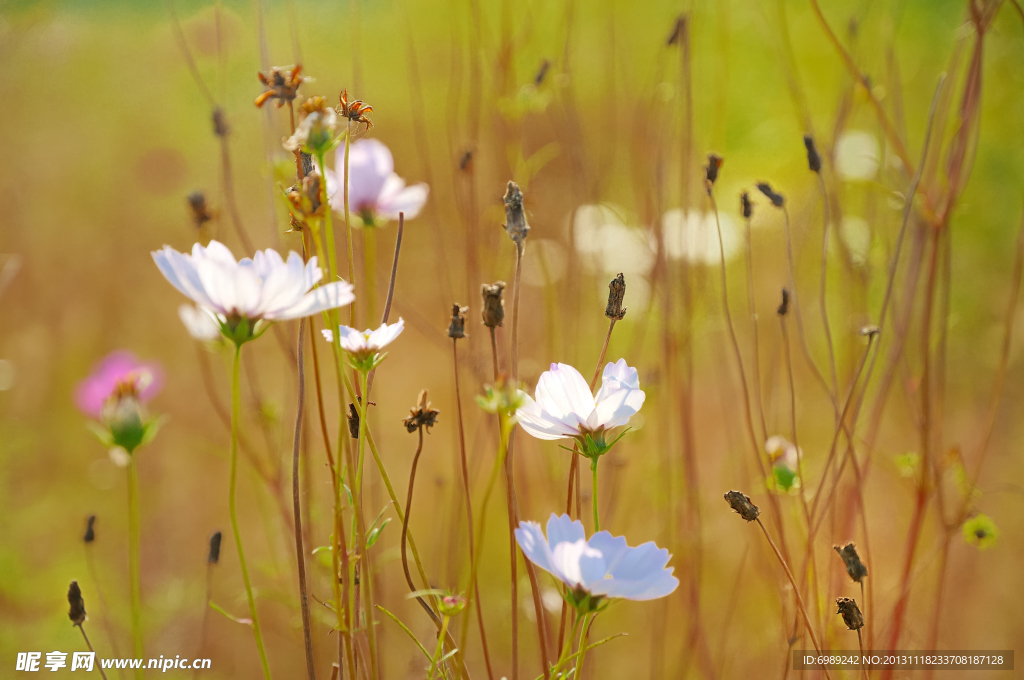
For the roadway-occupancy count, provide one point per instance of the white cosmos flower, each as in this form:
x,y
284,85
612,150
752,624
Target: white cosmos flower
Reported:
x,y
375,191
363,344
199,323
564,407
264,287
604,566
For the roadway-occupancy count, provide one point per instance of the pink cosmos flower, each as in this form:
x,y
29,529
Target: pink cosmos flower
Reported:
x,y
118,370
376,193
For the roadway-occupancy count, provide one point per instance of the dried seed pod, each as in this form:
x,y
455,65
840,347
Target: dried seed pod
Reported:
x,y
213,557
197,206
745,206
77,610
784,307
850,612
616,293
494,309
457,327
740,502
220,123
90,534
813,159
515,214
777,200
281,84
854,567
353,421
711,169
421,415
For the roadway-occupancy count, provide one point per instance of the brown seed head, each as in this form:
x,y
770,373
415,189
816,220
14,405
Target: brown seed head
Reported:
x,y
777,199
281,84
355,111
813,159
711,170
784,306
457,327
90,535
515,215
422,415
213,557
740,502
494,309
198,209
852,617
854,567
616,293
77,610
306,200
745,206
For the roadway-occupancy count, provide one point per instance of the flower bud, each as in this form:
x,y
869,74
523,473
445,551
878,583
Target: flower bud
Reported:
x,y
451,605
616,292
77,610
124,418
741,503
494,310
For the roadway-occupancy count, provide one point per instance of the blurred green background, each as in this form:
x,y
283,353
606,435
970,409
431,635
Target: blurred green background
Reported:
x,y
105,132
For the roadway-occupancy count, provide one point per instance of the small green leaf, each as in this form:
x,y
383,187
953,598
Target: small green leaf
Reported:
x,y
102,433
216,607
375,533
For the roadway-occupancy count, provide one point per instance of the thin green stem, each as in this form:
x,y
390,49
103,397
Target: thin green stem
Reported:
x,y
232,488
365,572
348,224
370,272
593,494
582,653
566,655
133,558
438,648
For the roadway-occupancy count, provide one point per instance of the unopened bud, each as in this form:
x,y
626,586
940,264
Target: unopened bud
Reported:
x,y
740,502
616,292
77,610
515,214
494,309
850,612
777,200
745,206
854,567
784,307
813,159
451,605
213,557
457,327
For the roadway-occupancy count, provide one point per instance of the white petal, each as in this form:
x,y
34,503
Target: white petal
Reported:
x,y
329,296
562,390
399,198
577,562
540,424
618,407
535,547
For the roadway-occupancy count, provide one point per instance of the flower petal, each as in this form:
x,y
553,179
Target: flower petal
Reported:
x,y
562,390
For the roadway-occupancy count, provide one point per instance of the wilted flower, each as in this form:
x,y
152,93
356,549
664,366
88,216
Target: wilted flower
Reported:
x,y
493,312
850,612
354,110
364,346
515,214
281,84
457,326
241,294
316,134
565,408
199,323
602,567
785,462
376,194
854,567
114,395
422,415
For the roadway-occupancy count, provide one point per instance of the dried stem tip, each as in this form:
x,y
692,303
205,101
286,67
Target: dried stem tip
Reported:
x,y
854,567
542,73
784,307
852,617
77,611
616,292
677,30
515,216
197,207
90,534
711,169
745,206
213,557
220,123
494,309
741,503
813,159
777,200
422,415
457,327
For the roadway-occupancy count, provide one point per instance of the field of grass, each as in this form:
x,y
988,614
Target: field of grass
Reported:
x,y
896,368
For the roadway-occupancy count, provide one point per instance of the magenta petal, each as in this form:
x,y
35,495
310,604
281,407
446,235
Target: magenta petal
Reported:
x,y
118,366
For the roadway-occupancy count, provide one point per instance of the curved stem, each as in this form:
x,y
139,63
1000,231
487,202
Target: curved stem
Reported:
x,y
232,511
133,558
